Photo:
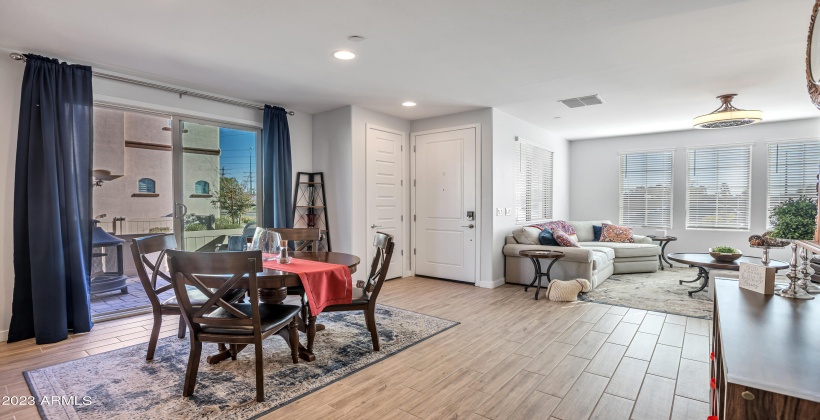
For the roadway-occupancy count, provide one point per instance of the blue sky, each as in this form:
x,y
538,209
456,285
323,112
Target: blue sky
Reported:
x,y
238,149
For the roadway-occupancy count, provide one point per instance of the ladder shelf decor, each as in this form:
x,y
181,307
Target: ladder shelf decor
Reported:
x,y
309,206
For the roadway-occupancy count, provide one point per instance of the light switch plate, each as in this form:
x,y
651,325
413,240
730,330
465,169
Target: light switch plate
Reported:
x,y
499,211
508,211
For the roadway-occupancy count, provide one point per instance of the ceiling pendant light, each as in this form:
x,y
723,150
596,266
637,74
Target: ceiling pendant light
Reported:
x,y
727,115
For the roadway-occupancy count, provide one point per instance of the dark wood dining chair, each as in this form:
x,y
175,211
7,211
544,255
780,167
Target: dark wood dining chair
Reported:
x,y
302,237
364,298
158,282
223,322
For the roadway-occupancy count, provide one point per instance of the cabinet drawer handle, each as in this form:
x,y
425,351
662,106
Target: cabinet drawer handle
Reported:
x,y
747,395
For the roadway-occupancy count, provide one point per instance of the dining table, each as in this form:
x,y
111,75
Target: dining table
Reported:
x,y
273,286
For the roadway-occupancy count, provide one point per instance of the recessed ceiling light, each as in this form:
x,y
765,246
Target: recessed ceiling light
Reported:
x,y
408,103
344,55
356,38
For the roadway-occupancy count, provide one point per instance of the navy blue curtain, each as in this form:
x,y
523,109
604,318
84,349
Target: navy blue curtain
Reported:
x,y
52,191
277,180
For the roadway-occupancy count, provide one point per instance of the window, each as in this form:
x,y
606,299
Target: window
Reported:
x,y
146,185
792,170
533,183
717,188
202,187
646,189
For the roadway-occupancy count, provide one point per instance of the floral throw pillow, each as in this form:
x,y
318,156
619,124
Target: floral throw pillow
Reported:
x,y
563,239
615,233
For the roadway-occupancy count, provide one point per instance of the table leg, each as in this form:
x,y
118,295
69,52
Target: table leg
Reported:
x,y
225,353
535,274
660,260
537,263
663,254
700,276
703,274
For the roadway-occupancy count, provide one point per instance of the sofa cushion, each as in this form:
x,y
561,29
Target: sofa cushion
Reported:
x,y
596,233
625,250
607,252
546,238
564,239
601,259
615,233
584,229
527,235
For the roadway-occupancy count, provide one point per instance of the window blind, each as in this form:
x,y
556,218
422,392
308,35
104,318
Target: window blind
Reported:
x,y
646,189
533,183
718,181
792,168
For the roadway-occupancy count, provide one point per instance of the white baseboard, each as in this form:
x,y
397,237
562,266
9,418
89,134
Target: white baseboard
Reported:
x,y
4,335
491,284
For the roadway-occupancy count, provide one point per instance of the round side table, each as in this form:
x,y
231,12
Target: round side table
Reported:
x,y
664,241
536,257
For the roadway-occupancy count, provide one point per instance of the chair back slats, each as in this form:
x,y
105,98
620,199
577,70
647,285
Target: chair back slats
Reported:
x,y
380,264
141,248
302,237
225,268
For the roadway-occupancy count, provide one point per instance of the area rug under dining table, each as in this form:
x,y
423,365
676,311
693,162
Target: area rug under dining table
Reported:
x,y
121,384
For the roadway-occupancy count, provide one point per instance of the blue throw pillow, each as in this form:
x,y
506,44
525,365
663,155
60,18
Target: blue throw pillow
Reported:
x,y
545,238
596,231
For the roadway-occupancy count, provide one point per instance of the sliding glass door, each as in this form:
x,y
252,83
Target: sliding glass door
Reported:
x,y
216,184
155,173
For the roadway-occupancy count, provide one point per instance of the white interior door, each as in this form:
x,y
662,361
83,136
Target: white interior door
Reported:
x,y
445,191
385,204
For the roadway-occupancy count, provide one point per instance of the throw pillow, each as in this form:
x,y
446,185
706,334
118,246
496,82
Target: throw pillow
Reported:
x,y
615,233
596,232
563,239
546,238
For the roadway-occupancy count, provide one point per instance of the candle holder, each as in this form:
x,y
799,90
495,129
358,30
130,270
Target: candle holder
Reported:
x,y
793,291
805,282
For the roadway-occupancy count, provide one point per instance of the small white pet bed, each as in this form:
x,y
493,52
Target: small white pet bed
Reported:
x,y
567,291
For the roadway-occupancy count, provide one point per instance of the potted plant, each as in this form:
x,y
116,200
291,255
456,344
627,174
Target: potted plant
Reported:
x,y
794,219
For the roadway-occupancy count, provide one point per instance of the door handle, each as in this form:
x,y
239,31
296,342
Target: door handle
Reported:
x,y
469,226
375,226
183,209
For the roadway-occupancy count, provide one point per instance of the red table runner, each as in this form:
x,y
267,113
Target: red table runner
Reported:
x,y
325,284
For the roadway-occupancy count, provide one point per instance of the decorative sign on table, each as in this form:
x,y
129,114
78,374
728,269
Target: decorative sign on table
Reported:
x,y
757,278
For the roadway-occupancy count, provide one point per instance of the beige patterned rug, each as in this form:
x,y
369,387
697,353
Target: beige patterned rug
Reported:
x,y
658,292
120,384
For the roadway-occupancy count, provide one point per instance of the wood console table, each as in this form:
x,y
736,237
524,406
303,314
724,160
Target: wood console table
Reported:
x,y
766,355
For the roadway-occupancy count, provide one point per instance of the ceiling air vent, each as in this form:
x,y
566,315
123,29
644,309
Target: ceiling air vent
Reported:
x,y
582,101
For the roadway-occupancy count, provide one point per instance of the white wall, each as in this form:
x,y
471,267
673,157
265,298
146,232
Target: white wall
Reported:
x,y
485,210
505,129
594,178
333,155
360,117
11,77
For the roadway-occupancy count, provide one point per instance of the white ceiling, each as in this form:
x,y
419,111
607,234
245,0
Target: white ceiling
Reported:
x,y
655,63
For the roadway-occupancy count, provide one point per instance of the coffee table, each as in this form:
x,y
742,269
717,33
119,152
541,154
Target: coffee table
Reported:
x,y
703,261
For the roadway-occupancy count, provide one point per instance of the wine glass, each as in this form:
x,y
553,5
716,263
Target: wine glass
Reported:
x,y
266,241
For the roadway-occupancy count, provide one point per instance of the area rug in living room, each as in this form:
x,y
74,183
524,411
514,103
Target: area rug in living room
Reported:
x,y
121,384
659,291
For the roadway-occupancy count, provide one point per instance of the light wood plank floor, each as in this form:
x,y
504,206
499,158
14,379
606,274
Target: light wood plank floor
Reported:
x,y
510,358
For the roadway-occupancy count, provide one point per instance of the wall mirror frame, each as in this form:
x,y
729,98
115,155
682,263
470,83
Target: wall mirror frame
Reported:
x,y
813,57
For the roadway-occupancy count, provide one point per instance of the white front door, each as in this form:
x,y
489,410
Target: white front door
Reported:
x,y
385,204
445,200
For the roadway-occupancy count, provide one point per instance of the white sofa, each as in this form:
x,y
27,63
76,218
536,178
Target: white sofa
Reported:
x,y
594,261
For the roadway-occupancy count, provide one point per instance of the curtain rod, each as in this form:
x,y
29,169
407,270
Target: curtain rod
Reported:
x,y
21,57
